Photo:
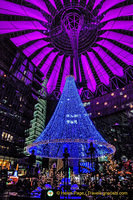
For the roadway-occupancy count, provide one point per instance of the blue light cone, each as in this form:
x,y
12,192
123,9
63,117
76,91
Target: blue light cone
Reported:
x,y
70,127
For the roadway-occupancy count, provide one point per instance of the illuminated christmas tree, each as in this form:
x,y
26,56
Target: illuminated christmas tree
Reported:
x,y
70,127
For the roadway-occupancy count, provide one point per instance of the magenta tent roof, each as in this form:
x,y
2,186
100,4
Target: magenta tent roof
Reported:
x,y
105,41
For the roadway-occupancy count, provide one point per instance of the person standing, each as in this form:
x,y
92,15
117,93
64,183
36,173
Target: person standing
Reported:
x,y
31,161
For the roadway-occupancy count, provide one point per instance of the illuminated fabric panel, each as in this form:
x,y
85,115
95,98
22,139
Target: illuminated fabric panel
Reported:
x,y
108,4
112,64
54,76
13,26
21,10
39,3
120,53
74,69
91,83
44,69
118,12
37,59
102,74
22,39
96,3
87,1
124,39
34,47
7,12
125,25
62,2
53,3
66,72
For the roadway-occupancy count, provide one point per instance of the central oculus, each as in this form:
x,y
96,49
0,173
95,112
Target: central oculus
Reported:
x,y
74,30
73,21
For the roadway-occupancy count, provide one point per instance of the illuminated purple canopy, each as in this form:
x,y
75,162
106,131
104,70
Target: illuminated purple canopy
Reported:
x,y
107,38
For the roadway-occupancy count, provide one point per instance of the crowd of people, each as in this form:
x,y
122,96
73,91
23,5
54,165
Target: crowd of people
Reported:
x,y
113,184
111,181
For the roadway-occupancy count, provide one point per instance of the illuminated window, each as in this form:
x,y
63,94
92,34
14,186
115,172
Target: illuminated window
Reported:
x,y
97,103
125,96
131,105
99,113
87,103
7,137
11,138
112,129
105,103
20,99
112,94
115,106
25,72
3,134
3,147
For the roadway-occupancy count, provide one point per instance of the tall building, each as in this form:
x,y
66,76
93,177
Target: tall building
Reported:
x,y
37,124
19,88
